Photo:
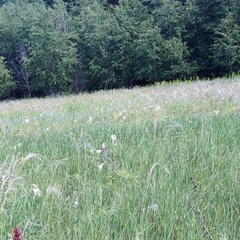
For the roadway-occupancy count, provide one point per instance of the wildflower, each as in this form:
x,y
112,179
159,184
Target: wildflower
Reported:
x,y
120,115
153,207
17,234
75,204
137,237
104,151
27,120
17,146
157,109
104,147
90,120
100,167
98,151
114,139
36,190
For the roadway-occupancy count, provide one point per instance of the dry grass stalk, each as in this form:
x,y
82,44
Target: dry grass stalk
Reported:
x,y
197,212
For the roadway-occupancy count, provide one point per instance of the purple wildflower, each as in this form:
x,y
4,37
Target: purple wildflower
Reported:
x,y
17,234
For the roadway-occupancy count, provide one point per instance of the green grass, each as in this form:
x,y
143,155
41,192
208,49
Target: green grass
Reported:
x,y
186,129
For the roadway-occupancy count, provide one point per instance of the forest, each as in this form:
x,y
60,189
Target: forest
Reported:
x,y
62,47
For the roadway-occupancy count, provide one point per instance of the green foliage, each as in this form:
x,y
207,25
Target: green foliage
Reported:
x,y
16,19
204,20
123,46
51,53
74,45
6,82
227,46
35,40
97,39
168,16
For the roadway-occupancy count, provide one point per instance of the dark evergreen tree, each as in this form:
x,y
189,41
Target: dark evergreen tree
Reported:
x,y
226,47
168,19
201,18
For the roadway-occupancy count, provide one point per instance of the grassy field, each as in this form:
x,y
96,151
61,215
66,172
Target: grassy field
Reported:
x,y
161,162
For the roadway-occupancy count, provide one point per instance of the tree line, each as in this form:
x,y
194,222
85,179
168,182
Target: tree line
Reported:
x,y
55,46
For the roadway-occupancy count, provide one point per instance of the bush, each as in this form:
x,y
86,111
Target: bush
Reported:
x,y
6,82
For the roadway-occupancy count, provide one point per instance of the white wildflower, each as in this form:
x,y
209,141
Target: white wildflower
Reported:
x,y
98,151
90,120
17,146
36,190
153,207
157,108
137,237
27,120
103,146
120,115
114,139
75,204
100,167
91,151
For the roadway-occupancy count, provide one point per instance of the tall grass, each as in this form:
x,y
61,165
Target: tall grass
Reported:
x,y
58,181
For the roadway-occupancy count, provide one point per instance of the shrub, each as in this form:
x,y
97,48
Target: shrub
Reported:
x,y
6,82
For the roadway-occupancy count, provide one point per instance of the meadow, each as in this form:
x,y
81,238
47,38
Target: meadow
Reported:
x,y
159,162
